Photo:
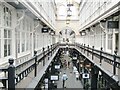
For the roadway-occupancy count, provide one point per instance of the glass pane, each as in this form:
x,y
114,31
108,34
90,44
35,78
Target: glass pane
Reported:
x,y
5,48
0,43
23,35
27,26
7,23
0,48
4,20
27,41
23,41
5,33
18,35
4,15
9,18
10,23
9,47
0,33
30,26
0,17
23,24
27,45
4,10
62,10
7,9
18,46
23,47
110,41
9,34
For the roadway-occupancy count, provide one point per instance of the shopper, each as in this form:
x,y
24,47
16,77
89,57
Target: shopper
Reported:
x,y
64,78
69,64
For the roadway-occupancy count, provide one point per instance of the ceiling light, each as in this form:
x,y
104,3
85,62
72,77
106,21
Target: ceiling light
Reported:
x,y
67,21
69,12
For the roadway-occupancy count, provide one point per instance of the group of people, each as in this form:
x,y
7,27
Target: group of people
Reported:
x,y
65,77
66,64
75,71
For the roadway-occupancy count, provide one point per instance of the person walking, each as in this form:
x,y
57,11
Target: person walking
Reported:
x,y
74,69
64,78
69,64
77,75
65,64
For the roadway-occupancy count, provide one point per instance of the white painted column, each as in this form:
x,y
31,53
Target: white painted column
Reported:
x,y
43,39
2,45
14,36
113,41
2,37
119,51
32,43
106,39
32,40
105,42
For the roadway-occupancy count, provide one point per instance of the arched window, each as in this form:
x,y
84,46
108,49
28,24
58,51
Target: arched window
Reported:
x,y
7,17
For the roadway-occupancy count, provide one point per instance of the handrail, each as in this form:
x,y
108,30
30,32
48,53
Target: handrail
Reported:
x,y
112,59
33,65
3,69
110,77
18,77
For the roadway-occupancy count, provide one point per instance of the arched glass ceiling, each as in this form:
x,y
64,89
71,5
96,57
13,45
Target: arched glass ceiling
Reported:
x,y
62,7
67,32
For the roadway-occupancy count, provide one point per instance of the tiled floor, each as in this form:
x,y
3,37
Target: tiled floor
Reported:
x,y
72,82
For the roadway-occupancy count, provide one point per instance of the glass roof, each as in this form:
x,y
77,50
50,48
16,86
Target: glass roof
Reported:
x,y
62,7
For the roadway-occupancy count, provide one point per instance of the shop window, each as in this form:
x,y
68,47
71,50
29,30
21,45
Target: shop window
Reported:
x,y
23,40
